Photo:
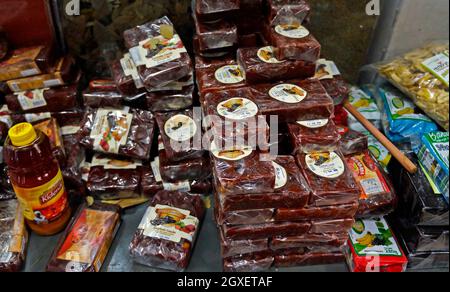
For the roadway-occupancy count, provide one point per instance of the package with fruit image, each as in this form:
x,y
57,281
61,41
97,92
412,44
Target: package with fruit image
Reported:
x,y
372,247
167,233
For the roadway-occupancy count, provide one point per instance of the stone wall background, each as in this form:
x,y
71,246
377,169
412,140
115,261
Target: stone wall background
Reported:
x,y
95,36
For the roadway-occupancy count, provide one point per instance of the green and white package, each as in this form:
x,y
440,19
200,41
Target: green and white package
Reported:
x,y
367,106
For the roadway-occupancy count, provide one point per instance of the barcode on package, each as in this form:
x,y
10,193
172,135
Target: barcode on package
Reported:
x,y
372,186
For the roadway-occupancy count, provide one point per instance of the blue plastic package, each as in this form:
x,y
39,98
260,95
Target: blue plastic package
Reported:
x,y
402,120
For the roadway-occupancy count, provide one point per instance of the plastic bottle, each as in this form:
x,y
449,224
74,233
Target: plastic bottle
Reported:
x,y
37,180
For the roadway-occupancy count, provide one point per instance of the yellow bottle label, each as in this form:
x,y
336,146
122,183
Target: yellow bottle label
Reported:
x,y
45,203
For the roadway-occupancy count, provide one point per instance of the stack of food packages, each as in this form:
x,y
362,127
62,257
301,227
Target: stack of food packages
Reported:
x,y
295,209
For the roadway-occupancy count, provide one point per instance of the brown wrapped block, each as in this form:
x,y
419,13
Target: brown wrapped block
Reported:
x,y
216,35
181,135
102,85
122,132
332,226
158,53
243,172
70,118
352,142
206,63
52,130
230,248
309,240
86,241
293,194
250,40
328,74
294,42
212,53
254,6
6,122
377,195
248,25
157,243
261,66
283,12
152,183
71,169
211,10
56,99
99,99
239,232
171,100
63,72
185,170
6,189
216,76
293,101
330,179
126,76
313,213
112,179
247,217
13,237
308,259
309,136
3,44
256,262
234,113
26,62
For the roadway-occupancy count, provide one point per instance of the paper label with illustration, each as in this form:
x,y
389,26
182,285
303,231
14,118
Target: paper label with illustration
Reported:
x,y
180,128
293,31
31,99
19,65
237,109
130,70
110,130
51,129
314,124
281,176
169,223
183,186
326,69
230,154
267,55
367,175
438,66
112,163
373,237
88,236
402,109
156,51
230,74
32,118
327,165
288,93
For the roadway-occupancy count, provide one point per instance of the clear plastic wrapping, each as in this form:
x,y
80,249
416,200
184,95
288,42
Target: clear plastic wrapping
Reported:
x,y
64,72
243,172
283,12
158,53
234,113
6,189
26,62
259,231
212,53
256,262
332,226
181,133
294,194
418,202
261,66
352,142
216,35
71,169
230,248
112,179
211,10
423,76
185,170
378,197
317,213
101,99
124,132
331,240
52,130
366,104
295,100
56,99
308,259
328,74
86,241
171,100
310,136
216,76
331,181
294,42
13,237
126,76
6,122
166,236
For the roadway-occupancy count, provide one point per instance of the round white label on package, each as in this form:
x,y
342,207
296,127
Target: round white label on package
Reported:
x,y
288,93
230,74
180,128
327,165
237,108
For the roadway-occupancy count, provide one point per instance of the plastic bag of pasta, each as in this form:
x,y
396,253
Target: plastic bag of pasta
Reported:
x,y
423,76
